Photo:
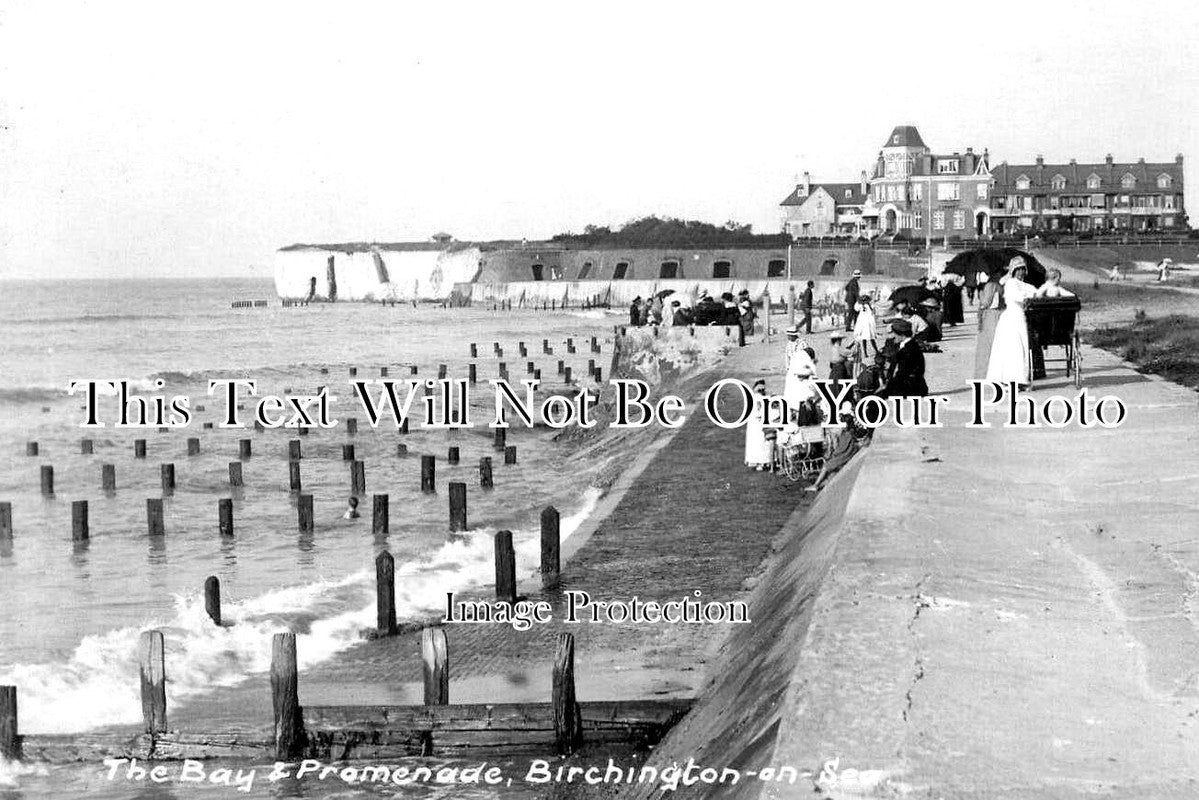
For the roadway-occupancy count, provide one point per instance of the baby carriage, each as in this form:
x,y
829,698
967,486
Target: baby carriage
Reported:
x,y
803,443
1052,323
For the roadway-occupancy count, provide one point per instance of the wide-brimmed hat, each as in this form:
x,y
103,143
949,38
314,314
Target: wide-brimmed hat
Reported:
x,y
902,327
793,330
931,302
1016,263
836,336
857,273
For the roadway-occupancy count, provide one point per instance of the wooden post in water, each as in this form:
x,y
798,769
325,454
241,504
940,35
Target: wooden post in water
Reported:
x,y
551,541
225,516
168,478
457,506
352,426
501,438
428,474
505,567
87,447
47,479
108,477
357,477
212,598
304,513
566,375
293,476
154,524
235,473
510,454
153,680
293,450
568,722
347,452
243,448
452,455
435,655
485,479
139,448
193,446
380,515
474,350
385,594
79,531
401,450
10,738
31,448
472,373
5,521
285,698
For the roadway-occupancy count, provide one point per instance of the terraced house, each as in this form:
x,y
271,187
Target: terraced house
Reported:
x,y
1074,197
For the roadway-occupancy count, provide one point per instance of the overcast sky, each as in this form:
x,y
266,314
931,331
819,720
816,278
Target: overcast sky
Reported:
x,y
162,139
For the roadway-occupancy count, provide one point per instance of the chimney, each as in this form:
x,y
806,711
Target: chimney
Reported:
x,y
807,184
1040,161
1178,158
864,178
969,150
1140,161
1073,161
1109,159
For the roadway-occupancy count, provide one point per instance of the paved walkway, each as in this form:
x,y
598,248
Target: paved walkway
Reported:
x,y
1012,613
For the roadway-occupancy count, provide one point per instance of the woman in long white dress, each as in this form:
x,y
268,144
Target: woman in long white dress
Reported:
x,y
1010,357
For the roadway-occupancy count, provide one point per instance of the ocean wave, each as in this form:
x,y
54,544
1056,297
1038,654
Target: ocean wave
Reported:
x,y
30,394
99,318
98,684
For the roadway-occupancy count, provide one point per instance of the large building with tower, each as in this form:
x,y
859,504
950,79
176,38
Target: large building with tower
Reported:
x,y
914,191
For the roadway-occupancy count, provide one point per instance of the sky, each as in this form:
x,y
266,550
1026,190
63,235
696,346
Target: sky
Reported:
x,y
170,139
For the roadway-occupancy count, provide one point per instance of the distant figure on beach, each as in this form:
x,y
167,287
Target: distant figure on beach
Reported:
x,y
805,305
748,318
655,311
680,316
759,450
1163,269
635,312
988,317
1113,274
311,289
1010,358
351,509
852,291
908,380
1052,287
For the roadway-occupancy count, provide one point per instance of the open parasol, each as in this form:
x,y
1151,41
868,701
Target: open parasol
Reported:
x,y
994,262
912,295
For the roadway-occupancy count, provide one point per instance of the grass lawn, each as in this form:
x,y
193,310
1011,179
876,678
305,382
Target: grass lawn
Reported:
x,y
1166,346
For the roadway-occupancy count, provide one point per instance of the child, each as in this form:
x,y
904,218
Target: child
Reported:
x,y
864,331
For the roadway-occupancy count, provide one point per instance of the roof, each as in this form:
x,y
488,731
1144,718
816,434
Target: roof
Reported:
x,y
904,136
1041,176
836,190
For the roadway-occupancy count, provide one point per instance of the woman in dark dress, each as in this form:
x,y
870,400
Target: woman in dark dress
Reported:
x,y
635,311
951,306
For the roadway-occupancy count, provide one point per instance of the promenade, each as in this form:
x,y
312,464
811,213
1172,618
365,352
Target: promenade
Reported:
x,y
1004,613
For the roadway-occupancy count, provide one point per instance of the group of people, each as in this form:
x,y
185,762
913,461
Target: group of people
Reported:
x,y
1003,353
729,309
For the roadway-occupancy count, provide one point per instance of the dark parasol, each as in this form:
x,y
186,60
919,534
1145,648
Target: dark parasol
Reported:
x,y
912,295
994,262
664,293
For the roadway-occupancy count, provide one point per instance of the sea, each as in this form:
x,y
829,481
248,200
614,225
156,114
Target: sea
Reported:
x,y
71,612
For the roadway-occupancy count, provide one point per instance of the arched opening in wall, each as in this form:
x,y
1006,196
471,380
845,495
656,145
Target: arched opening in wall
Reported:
x,y
776,268
585,270
669,269
537,276
621,272
722,269
829,267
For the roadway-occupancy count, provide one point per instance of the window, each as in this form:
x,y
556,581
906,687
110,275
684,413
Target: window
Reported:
x,y
1128,181
621,272
892,192
947,191
1055,201
669,269
849,194
1164,181
1168,201
1026,203
1022,183
1168,222
1094,181
1059,182
777,268
959,220
585,270
939,220
917,220
917,191
947,167
721,269
1097,201
981,189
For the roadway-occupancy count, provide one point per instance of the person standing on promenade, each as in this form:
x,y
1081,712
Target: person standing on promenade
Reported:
x,y
951,294
988,317
853,290
635,311
908,380
805,305
759,451
865,332
1010,357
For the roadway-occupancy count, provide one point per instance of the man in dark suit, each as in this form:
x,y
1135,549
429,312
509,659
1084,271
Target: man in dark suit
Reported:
x,y
852,291
908,380
805,305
